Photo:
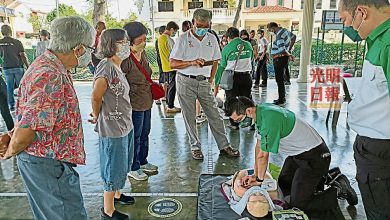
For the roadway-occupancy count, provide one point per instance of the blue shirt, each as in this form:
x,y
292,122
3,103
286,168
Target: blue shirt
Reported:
x,y
282,41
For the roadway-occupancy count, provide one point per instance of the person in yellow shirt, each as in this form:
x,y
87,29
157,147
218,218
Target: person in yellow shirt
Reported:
x,y
165,45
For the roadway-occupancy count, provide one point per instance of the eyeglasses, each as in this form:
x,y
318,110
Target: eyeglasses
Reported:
x,y
89,48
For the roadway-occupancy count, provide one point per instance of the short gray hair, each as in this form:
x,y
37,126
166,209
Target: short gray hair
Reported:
x,y
351,5
203,15
66,33
107,45
6,30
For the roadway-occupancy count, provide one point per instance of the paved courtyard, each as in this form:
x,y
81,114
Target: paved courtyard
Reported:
x,y
178,172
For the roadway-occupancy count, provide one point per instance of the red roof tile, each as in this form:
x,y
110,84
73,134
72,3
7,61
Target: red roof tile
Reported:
x,y
269,9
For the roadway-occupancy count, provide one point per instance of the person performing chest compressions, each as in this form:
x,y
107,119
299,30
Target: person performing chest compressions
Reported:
x,y
280,131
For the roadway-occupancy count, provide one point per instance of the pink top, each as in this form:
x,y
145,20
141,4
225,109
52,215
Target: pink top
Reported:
x,y
48,104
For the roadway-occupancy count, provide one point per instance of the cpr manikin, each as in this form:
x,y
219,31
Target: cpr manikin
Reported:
x,y
258,200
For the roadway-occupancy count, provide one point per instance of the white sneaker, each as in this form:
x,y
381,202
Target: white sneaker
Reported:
x,y
138,175
149,167
200,119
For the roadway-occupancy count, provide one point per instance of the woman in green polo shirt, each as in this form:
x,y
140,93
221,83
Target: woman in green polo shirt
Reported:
x,y
279,131
242,80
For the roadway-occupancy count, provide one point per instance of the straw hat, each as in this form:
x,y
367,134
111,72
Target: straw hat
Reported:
x,y
257,208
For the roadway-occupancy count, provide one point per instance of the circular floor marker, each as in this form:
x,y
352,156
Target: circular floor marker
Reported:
x,y
164,208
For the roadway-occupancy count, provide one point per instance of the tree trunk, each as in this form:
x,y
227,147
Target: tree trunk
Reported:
x,y
238,12
99,11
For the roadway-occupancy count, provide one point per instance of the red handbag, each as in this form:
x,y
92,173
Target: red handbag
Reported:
x,y
157,90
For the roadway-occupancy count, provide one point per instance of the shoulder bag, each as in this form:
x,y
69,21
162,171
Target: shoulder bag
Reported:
x,y
157,90
227,75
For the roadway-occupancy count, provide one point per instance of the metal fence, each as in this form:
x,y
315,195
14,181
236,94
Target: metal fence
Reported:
x,y
349,55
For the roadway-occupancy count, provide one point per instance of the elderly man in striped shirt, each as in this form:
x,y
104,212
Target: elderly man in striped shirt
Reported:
x,y
281,54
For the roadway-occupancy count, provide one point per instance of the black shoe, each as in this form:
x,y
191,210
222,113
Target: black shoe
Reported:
x,y
280,102
115,216
287,83
345,190
253,127
263,85
12,109
332,175
256,86
125,200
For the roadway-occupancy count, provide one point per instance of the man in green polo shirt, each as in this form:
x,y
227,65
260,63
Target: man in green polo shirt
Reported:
x,y
279,131
369,110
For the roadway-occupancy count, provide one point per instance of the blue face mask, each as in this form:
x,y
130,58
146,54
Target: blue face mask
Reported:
x,y
201,31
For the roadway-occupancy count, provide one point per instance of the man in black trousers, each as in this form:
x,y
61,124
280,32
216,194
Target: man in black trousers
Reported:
x,y
281,53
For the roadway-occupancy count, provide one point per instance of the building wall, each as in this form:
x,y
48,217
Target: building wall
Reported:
x,y
324,5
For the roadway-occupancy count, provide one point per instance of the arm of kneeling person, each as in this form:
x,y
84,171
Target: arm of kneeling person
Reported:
x,y
20,140
261,161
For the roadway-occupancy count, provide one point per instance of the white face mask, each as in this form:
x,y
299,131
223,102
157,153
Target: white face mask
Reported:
x,y
85,59
123,51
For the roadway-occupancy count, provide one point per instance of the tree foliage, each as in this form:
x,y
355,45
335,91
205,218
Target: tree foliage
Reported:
x,y
232,3
36,22
64,10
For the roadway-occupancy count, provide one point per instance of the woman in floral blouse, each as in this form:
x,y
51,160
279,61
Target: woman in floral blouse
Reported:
x,y
48,127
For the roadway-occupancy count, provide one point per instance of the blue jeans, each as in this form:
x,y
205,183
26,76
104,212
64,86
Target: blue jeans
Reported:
x,y
116,156
12,77
9,121
53,188
141,121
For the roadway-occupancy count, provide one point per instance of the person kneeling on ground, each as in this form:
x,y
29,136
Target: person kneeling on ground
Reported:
x,y
279,131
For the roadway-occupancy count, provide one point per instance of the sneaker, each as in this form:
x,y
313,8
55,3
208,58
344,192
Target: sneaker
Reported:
x,y
158,102
263,85
149,167
200,119
287,83
253,127
125,200
138,175
12,109
280,102
345,190
256,86
173,110
116,215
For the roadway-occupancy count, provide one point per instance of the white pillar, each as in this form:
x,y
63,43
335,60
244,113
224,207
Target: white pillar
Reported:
x,y
307,31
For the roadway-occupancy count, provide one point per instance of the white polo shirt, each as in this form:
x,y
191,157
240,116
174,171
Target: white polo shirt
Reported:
x,y
189,48
263,43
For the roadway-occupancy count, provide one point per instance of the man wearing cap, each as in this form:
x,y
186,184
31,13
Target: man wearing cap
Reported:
x,y
195,56
369,110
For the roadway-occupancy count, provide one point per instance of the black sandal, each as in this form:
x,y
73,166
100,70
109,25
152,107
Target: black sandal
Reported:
x,y
229,151
197,154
